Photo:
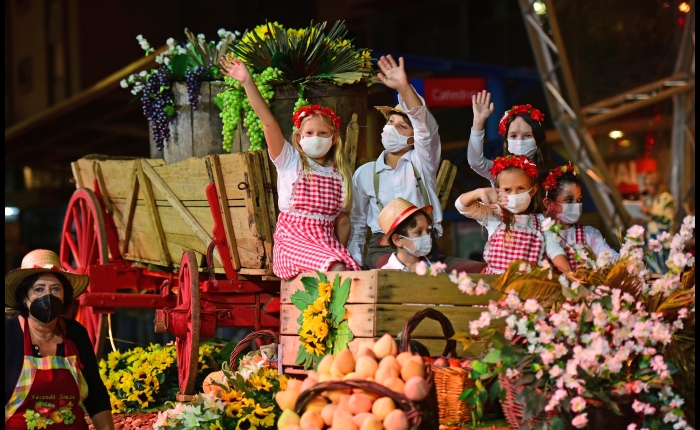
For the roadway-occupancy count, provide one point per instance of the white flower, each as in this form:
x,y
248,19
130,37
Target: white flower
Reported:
x,y
481,288
123,83
548,224
222,32
580,421
166,60
635,232
531,306
524,268
159,58
201,37
170,42
655,245
143,73
421,268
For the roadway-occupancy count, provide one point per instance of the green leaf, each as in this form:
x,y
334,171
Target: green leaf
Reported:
x,y
169,110
479,366
494,356
303,298
179,64
499,341
219,101
338,299
494,391
323,278
310,284
467,394
535,405
343,337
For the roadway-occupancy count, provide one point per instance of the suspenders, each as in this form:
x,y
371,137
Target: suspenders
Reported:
x,y
416,174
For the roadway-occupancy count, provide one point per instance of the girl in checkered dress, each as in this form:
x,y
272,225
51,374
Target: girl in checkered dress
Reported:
x,y
563,202
313,185
515,232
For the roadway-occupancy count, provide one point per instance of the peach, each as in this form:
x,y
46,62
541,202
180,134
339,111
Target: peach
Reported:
x,y
327,413
313,375
382,407
344,362
390,360
396,420
294,385
291,427
324,366
383,346
286,399
360,403
313,418
334,395
308,383
343,421
324,377
395,384
366,366
384,373
352,375
309,426
359,419
411,369
372,423
344,403
288,418
316,404
404,357
366,351
416,389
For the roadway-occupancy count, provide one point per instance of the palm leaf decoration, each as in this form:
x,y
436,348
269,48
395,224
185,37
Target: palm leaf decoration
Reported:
x,y
307,54
537,284
206,53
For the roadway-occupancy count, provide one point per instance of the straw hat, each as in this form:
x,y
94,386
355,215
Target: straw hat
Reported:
x,y
396,212
41,261
388,111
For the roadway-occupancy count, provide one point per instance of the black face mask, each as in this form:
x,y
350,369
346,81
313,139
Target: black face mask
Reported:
x,y
46,308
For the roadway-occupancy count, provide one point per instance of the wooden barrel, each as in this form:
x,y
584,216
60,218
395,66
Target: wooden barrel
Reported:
x,y
197,133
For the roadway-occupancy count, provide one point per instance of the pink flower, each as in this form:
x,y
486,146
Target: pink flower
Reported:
x,y
578,404
635,232
555,371
548,224
632,427
580,421
531,306
481,288
421,268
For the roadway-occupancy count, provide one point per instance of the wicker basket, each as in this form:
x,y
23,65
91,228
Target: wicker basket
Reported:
x,y
450,382
245,342
414,412
513,410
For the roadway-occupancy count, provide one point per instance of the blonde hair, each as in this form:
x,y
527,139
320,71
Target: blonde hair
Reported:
x,y
336,153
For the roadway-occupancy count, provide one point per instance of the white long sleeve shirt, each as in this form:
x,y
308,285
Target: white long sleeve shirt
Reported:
x,y
594,240
399,182
491,219
475,155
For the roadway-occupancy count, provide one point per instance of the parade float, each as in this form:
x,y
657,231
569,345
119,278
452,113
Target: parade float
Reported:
x,y
190,235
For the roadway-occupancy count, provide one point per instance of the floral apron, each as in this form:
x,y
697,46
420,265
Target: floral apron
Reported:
x,y
49,392
521,243
305,238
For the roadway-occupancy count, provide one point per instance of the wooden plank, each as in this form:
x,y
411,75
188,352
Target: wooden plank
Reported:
x,y
397,287
352,136
179,146
118,176
87,172
206,137
251,250
75,168
177,205
258,195
270,192
233,168
103,187
361,319
130,207
157,229
290,347
363,287
450,182
392,319
225,212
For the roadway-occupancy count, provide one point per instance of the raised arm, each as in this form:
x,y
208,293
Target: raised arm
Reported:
x,y
394,76
483,108
237,70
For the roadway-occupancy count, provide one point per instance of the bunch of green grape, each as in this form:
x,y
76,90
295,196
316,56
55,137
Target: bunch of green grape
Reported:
x,y
301,102
235,100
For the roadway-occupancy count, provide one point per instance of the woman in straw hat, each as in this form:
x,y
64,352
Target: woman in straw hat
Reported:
x,y
51,372
407,168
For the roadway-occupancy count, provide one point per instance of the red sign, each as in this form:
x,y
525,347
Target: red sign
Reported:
x,y
627,175
451,91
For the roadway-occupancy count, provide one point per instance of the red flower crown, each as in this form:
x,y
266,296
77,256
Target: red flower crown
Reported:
x,y
552,179
534,113
519,161
306,111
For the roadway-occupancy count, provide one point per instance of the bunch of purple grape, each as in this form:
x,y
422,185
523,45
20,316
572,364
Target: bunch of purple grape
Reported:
x,y
193,80
158,105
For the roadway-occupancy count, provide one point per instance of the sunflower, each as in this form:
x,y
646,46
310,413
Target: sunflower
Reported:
x,y
231,396
320,331
262,416
215,426
313,347
316,309
117,404
324,291
245,424
237,409
141,397
259,382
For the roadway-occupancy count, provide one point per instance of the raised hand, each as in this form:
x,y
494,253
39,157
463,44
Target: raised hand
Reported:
x,y
392,75
492,197
482,107
236,69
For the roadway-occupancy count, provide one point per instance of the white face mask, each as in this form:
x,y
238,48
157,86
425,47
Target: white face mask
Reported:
x,y
570,212
316,146
422,245
518,202
527,147
392,140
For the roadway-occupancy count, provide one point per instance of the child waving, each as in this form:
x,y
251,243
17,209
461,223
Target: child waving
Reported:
x,y
563,202
313,185
515,232
521,128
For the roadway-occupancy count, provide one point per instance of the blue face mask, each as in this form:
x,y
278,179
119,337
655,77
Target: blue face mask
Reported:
x,y
421,245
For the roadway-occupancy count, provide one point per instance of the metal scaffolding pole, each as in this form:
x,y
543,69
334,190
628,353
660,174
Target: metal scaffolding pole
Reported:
x,y
564,105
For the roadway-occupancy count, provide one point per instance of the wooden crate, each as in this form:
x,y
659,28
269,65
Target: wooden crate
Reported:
x,y
161,210
381,301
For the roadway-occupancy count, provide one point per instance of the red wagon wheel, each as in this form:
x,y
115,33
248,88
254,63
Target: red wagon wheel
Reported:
x,y
84,244
188,346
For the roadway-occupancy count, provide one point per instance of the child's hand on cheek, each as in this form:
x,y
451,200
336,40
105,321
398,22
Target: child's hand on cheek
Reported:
x,y
491,197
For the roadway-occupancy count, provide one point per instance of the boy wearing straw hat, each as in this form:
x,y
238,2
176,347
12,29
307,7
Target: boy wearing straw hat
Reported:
x,y
407,168
407,230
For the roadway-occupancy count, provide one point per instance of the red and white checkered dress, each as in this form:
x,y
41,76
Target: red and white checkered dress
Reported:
x,y
579,237
521,243
305,237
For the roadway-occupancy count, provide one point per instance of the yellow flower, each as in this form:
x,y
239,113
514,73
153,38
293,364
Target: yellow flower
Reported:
x,y
231,396
313,347
317,308
215,426
108,383
283,382
117,404
259,382
245,424
324,291
141,397
262,416
320,331
236,409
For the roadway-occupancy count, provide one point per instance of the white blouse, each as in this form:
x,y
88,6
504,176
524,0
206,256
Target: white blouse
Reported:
x,y
594,240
